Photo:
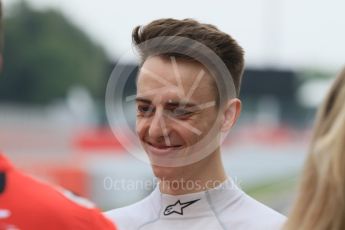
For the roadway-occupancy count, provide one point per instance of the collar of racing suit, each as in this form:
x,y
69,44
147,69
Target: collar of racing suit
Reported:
x,y
196,204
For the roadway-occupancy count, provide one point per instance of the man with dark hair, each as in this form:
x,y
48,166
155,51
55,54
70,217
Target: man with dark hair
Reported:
x,y
28,204
187,98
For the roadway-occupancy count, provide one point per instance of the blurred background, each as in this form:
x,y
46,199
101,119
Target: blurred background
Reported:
x,y
59,55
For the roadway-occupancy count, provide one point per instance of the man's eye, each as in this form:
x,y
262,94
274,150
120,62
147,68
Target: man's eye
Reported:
x,y
180,112
145,109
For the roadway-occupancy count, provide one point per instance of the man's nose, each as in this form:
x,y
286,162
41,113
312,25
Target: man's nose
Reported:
x,y
158,129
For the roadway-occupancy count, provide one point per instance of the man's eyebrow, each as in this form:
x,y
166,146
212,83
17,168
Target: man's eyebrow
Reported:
x,y
169,103
180,103
144,100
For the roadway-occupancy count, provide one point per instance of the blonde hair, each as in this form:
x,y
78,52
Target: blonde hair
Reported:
x,y
320,203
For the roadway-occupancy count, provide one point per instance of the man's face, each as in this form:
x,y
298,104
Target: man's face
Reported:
x,y
176,106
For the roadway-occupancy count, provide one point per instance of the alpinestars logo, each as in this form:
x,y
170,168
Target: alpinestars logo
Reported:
x,y
178,207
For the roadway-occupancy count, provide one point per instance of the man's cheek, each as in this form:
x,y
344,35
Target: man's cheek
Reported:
x,y
139,127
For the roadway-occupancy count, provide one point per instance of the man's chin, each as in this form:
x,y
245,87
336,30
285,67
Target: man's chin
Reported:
x,y
166,173
170,159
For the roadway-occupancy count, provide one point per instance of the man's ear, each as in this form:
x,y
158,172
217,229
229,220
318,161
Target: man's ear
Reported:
x,y
231,113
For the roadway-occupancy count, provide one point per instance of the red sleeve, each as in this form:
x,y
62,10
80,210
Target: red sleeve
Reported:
x,y
33,205
100,221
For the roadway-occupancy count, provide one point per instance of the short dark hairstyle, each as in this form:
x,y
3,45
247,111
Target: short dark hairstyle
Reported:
x,y
222,44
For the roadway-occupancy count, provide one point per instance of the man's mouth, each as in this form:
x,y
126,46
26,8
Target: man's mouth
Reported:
x,y
161,148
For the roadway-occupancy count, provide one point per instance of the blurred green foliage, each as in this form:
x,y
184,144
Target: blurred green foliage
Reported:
x,y
45,55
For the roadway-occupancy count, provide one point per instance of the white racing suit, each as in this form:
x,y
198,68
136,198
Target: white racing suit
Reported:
x,y
225,207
